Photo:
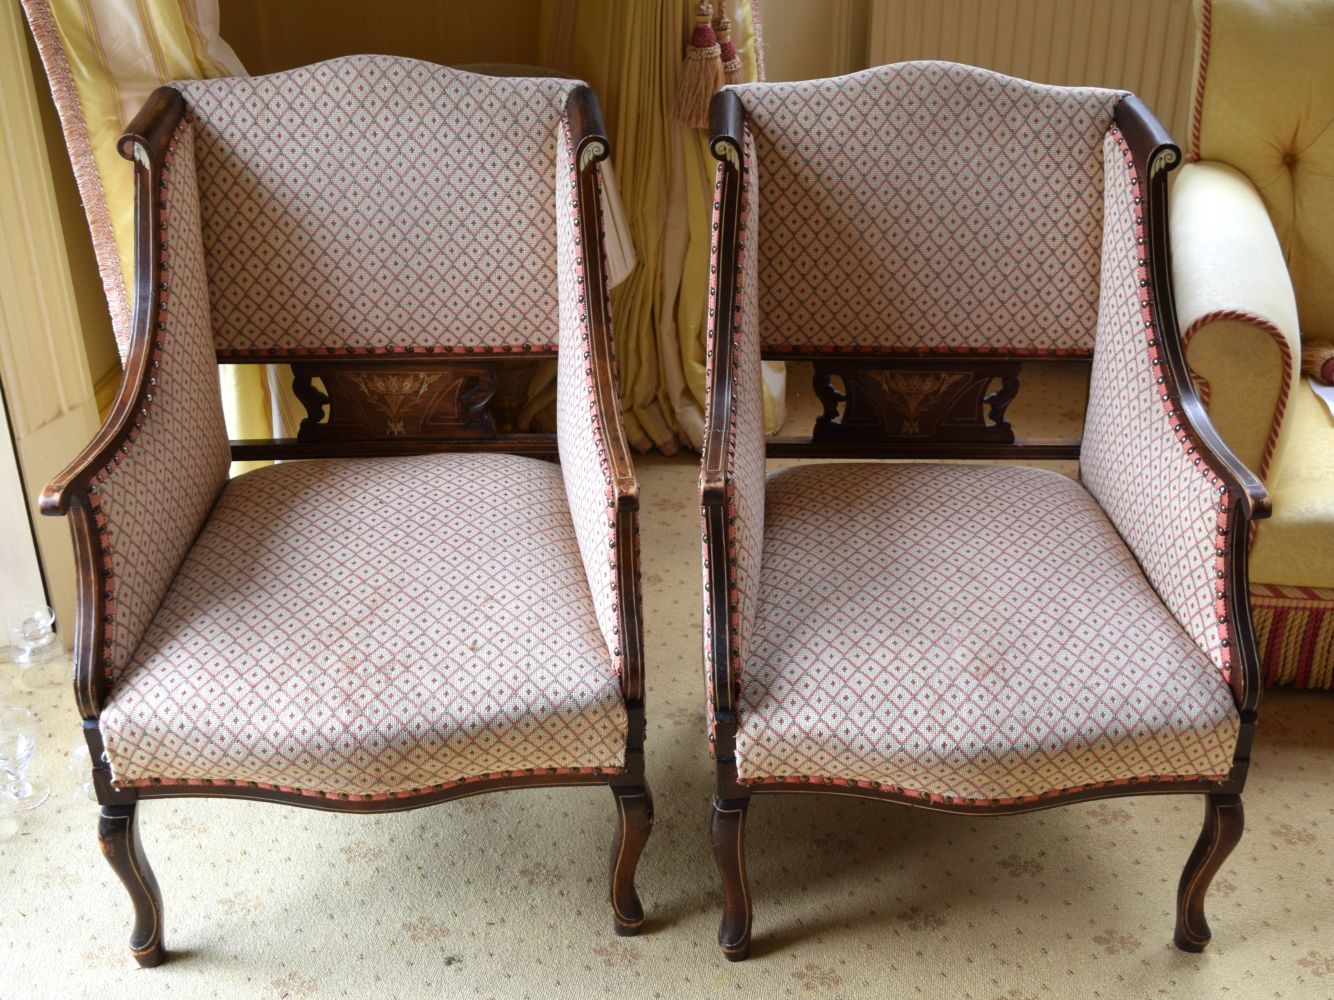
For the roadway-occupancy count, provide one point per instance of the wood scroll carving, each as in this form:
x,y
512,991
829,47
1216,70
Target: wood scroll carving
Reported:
x,y
409,401
910,400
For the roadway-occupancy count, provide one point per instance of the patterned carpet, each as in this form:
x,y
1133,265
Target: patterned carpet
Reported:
x,y
504,895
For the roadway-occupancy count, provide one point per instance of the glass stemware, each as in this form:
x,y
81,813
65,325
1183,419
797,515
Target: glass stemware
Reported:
x,y
18,743
80,763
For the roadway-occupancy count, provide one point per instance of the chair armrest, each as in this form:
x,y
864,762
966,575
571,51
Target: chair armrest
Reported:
x,y
732,480
1176,494
595,456
138,494
1235,306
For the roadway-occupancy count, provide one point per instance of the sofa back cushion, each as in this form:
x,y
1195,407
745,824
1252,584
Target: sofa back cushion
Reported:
x,y
1264,103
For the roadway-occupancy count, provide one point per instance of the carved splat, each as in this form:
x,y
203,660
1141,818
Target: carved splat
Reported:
x,y
411,400
911,400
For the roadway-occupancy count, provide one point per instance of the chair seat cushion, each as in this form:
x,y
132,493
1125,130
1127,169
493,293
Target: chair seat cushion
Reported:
x,y
373,627
969,632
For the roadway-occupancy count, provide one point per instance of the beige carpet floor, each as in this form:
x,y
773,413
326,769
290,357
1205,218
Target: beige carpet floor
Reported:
x,y
504,895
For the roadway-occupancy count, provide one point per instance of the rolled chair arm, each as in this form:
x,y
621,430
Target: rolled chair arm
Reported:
x,y
139,493
1235,303
595,457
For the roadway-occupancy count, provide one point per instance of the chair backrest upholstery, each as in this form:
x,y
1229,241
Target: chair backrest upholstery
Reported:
x,y
378,204
1264,104
928,207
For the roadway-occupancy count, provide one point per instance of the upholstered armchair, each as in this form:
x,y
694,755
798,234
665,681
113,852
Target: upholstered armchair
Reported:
x,y
411,611
1253,257
977,639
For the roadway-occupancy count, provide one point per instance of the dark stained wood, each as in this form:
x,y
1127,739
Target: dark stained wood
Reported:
x,y
1033,450
727,837
1224,821
290,449
397,400
118,836
634,811
914,401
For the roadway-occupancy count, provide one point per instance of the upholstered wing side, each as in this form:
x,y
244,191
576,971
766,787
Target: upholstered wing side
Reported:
x,y
152,498
584,425
1138,461
733,503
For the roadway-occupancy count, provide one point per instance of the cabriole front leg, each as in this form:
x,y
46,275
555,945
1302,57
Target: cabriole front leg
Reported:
x,y
118,836
634,823
1223,823
727,835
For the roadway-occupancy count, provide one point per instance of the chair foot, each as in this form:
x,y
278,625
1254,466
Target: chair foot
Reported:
x,y
727,835
118,836
634,823
1223,823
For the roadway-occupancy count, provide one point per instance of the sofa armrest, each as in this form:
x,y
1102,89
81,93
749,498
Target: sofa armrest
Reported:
x,y
1235,305
138,495
595,457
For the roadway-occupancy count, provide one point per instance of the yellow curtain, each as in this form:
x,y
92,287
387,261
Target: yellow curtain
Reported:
x,y
103,58
630,54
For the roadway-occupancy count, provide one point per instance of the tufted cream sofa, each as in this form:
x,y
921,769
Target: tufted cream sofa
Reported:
x,y
1252,226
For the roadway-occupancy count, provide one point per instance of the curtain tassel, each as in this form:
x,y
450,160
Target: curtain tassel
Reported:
x,y
701,72
722,27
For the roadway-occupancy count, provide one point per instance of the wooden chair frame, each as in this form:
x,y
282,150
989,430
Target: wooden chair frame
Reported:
x,y
1154,156
145,143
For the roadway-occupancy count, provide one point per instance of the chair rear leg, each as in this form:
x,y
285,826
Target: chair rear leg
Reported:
x,y
1223,823
634,823
118,836
727,835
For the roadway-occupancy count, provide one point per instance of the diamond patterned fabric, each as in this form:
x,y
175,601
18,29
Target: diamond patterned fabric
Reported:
x,y
1165,501
373,627
151,501
745,460
377,203
974,632
585,462
950,209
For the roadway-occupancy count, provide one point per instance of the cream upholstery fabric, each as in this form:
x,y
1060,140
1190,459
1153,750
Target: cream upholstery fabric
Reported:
x,y
1295,546
1260,202
1235,306
372,627
1167,504
953,208
977,632
379,203
1265,105
153,499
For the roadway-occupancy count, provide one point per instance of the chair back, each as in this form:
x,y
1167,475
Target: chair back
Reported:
x,y
928,208
379,204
